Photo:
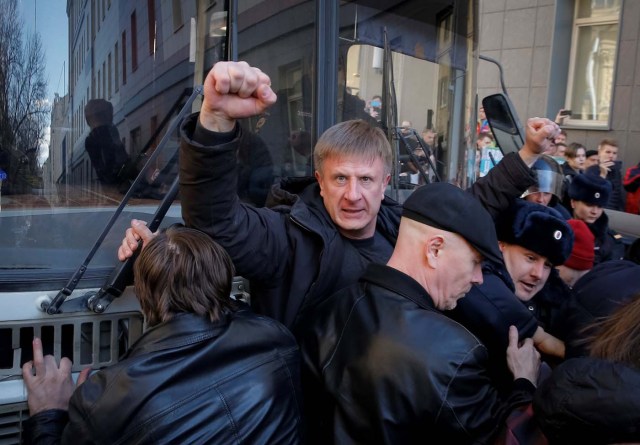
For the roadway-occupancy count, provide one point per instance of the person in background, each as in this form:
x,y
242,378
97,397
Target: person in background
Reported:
x,y
576,157
374,107
482,126
206,370
589,194
562,137
382,364
591,158
631,185
103,145
610,169
533,239
596,399
561,148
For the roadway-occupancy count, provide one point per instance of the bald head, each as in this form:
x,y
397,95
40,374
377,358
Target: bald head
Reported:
x,y
443,262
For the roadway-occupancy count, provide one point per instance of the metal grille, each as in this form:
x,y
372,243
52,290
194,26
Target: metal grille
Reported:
x,y
11,418
95,341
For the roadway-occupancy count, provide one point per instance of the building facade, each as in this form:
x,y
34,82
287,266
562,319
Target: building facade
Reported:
x,y
582,55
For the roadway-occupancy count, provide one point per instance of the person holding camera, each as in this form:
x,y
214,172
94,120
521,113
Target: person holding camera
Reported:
x,y
610,169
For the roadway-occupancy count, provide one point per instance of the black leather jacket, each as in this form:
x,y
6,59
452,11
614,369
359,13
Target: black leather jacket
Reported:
x,y
188,381
395,370
292,254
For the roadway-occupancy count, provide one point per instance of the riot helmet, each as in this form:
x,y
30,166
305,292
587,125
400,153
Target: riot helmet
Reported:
x,y
549,179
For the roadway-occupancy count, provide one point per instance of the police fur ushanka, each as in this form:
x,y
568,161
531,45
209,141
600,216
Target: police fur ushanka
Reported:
x,y
535,227
591,189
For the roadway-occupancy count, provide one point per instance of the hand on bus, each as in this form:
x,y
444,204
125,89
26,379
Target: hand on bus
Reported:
x,y
49,386
234,90
523,359
540,132
138,231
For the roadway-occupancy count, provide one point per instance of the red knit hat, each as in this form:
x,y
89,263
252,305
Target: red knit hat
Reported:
x,y
582,255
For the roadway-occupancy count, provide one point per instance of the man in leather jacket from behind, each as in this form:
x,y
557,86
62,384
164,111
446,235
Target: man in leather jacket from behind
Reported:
x,y
205,371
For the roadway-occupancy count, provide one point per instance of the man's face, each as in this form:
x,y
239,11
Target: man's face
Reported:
x,y
540,198
406,127
551,149
591,161
352,190
561,138
528,270
429,137
481,114
607,153
462,268
586,212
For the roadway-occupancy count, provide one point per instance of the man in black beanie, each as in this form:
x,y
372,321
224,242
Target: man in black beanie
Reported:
x,y
589,195
383,364
533,239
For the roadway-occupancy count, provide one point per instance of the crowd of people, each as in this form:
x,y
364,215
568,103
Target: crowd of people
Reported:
x,y
371,322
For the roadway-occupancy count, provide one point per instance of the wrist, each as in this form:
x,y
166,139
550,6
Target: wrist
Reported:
x,y
528,155
215,122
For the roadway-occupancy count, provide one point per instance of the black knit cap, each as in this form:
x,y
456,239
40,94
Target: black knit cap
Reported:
x,y
537,228
450,208
591,189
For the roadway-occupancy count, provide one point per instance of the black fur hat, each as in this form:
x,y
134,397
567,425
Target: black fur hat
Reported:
x,y
540,229
591,189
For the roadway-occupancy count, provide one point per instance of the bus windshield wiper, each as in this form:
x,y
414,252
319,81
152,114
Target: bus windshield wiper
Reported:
x,y
119,276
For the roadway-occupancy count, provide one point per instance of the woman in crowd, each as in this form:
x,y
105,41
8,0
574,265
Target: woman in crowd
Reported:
x,y
596,399
589,194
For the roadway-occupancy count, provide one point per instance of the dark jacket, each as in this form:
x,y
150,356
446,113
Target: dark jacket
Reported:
x,y
396,370
608,244
588,401
595,295
189,381
614,176
293,254
488,310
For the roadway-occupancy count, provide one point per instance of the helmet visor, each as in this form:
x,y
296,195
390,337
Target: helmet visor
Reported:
x,y
548,182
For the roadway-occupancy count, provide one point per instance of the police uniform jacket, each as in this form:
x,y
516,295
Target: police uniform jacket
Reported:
x,y
188,380
382,365
608,244
488,310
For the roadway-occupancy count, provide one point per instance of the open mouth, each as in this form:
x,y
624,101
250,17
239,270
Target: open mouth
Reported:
x,y
528,287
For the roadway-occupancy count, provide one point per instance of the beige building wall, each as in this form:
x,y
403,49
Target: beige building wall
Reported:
x,y
526,36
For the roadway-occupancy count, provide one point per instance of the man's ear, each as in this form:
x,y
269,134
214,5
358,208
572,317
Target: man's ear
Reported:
x,y
501,245
385,183
319,179
434,246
